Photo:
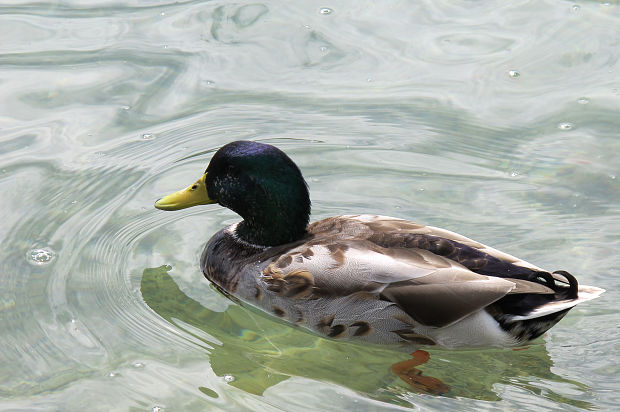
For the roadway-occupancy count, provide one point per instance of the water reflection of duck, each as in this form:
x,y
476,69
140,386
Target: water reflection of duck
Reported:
x,y
369,278
260,353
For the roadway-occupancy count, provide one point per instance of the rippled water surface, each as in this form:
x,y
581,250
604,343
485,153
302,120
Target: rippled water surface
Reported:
x,y
499,120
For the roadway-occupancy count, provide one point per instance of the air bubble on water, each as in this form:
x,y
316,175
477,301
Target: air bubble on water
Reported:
x,y
324,49
583,100
125,107
566,126
41,256
307,26
138,365
576,7
112,374
148,136
514,173
514,74
163,13
325,10
157,409
229,378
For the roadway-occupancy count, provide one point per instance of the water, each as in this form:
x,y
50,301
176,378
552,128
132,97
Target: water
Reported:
x,y
499,121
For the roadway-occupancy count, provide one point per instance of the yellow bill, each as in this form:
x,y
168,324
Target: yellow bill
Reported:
x,y
194,195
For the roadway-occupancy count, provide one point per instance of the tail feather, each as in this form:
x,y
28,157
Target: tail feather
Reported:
x,y
573,286
529,315
584,294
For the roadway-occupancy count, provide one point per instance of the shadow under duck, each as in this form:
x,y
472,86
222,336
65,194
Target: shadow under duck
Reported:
x,y
369,278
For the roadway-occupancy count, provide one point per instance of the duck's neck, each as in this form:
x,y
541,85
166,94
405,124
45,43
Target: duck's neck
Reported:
x,y
274,216
272,227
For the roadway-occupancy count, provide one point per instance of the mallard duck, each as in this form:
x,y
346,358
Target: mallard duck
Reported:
x,y
362,277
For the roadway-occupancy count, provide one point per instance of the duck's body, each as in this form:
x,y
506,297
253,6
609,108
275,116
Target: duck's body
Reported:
x,y
385,280
370,278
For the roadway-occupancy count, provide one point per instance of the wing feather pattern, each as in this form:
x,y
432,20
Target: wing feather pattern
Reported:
x,y
418,268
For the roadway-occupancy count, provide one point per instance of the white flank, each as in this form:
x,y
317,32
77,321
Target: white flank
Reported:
x,y
476,330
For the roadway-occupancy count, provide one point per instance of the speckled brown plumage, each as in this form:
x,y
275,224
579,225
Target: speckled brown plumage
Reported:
x,y
363,328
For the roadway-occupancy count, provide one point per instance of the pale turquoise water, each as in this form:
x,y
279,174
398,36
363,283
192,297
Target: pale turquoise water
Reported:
x,y
499,120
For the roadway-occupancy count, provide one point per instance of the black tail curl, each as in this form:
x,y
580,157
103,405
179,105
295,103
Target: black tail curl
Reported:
x,y
562,291
521,304
573,285
561,282
546,278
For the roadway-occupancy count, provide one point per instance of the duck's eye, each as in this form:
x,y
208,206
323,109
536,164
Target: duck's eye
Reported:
x,y
194,187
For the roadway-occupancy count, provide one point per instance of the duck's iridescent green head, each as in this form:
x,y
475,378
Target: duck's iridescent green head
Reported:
x,y
259,182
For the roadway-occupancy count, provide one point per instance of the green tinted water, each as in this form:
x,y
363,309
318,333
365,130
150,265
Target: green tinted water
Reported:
x,y
499,121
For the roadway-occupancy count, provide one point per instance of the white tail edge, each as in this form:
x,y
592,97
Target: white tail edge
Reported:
x,y
584,294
